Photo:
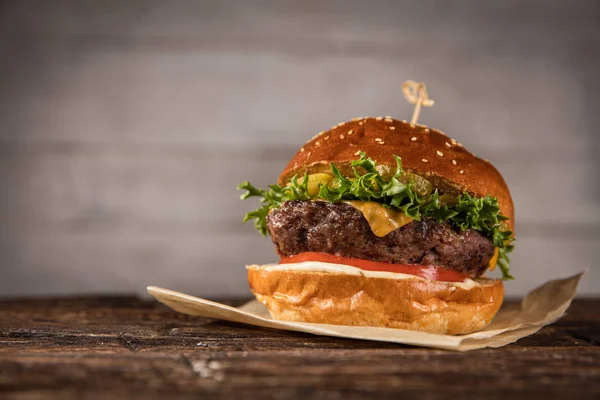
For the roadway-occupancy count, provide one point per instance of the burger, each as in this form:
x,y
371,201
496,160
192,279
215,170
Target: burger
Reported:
x,y
381,222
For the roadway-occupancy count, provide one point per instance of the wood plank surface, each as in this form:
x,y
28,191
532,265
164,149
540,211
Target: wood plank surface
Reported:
x,y
194,184
125,347
66,262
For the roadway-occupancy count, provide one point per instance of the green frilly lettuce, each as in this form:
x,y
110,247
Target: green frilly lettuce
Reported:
x,y
467,212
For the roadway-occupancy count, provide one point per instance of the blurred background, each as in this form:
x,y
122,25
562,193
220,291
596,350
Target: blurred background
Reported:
x,y
125,126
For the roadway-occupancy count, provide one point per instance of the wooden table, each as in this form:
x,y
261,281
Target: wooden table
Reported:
x,y
127,347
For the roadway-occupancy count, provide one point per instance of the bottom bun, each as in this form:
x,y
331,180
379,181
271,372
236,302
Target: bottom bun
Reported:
x,y
346,299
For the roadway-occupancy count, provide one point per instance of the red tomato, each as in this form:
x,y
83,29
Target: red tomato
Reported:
x,y
428,272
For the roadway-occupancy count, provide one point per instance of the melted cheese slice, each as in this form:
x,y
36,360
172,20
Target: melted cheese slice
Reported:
x,y
385,220
493,260
381,220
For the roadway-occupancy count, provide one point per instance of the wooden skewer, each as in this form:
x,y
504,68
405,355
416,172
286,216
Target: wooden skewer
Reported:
x,y
416,93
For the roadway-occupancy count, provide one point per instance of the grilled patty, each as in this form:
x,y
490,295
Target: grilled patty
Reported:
x,y
340,229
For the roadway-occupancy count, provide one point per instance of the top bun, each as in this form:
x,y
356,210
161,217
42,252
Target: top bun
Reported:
x,y
425,152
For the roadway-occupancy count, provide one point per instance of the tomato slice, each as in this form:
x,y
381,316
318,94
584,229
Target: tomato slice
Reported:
x,y
428,271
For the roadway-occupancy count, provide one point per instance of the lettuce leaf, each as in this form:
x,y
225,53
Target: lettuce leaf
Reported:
x,y
467,212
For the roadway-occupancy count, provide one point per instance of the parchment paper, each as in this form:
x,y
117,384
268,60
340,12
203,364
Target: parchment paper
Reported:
x,y
539,308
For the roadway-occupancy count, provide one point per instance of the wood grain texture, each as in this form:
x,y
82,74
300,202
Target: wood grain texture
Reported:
x,y
112,113
191,185
125,347
119,261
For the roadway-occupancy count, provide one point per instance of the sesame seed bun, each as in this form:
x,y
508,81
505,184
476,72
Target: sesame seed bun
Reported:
x,y
426,152
344,299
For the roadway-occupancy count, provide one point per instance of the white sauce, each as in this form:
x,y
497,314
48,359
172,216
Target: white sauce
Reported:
x,y
316,266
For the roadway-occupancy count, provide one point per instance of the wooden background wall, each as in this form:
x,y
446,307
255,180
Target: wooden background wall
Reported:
x,y
126,125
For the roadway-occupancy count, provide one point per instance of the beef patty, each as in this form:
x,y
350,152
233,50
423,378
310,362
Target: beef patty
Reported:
x,y
340,229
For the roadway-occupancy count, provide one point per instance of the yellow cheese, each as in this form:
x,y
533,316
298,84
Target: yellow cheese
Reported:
x,y
381,220
493,260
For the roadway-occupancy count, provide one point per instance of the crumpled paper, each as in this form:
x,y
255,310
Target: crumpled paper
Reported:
x,y
539,308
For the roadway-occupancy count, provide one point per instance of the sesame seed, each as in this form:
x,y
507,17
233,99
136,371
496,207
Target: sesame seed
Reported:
x,y
361,123
378,139
341,123
388,119
392,128
355,119
424,160
357,152
309,153
350,132
412,125
342,136
426,130
454,162
317,143
378,118
382,142
320,133
326,138
439,153
462,171
413,139
453,141
459,144
302,150
448,144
